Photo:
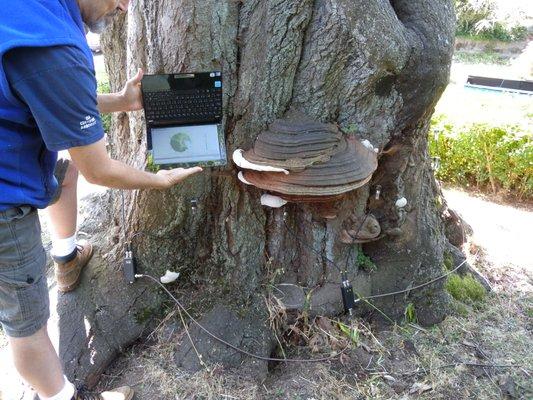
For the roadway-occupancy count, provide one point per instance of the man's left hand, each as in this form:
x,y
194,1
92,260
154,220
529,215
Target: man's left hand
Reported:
x,y
131,94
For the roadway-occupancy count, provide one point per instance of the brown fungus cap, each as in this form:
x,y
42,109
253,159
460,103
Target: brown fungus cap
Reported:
x,y
350,167
295,144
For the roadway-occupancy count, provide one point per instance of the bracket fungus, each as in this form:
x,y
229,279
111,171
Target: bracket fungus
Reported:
x,y
354,232
322,163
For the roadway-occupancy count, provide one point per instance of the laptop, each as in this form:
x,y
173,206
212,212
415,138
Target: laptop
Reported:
x,y
183,119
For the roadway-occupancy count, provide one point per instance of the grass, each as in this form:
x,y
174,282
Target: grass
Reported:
x,y
483,57
393,365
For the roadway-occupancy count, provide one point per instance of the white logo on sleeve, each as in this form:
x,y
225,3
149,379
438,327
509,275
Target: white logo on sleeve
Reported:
x,y
88,122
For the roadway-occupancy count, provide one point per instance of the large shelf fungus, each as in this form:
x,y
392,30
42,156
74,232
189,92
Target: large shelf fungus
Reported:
x,y
322,163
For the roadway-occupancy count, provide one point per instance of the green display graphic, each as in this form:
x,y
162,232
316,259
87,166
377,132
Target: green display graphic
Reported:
x,y
179,142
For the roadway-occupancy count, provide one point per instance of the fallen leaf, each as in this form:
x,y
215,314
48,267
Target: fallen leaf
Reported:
x,y
344,359
316,342
325,324
420,388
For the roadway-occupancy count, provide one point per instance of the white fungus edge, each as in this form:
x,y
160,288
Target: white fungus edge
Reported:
x,y
241,162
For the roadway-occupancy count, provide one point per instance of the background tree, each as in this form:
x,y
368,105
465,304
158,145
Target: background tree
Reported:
x,y
377,68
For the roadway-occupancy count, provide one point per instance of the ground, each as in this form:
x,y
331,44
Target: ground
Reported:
x,y
481,351
402,362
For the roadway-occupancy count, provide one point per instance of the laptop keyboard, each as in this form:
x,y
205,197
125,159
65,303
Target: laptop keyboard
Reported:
x,y
183,105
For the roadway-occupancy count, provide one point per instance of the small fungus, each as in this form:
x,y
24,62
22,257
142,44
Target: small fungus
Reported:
x,y
272,201
401,202
354,232
169,277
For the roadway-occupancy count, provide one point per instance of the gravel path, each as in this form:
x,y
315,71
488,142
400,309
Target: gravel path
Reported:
x,y
503,231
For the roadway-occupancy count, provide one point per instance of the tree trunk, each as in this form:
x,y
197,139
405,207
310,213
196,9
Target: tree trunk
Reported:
x,y
376,68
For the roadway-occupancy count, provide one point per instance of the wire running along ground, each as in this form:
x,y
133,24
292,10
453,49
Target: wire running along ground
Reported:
x,y
245,352
296,360
324,257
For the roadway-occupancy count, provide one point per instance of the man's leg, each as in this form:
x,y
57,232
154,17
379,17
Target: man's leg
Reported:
x,y
70,257
24,302
63,212
25,308
36,361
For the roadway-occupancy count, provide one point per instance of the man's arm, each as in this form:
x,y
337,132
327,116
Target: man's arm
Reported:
x,y
60,93
97,167
128,99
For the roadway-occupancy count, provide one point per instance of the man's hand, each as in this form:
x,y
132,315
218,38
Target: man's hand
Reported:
x,y
131,93
173,176
96,166
128,99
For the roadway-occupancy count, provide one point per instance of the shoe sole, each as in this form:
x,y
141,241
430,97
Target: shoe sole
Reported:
x,y
75,285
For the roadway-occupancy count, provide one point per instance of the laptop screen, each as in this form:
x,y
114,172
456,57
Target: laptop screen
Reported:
x,y
195,144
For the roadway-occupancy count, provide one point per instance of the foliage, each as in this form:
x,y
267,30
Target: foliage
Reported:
x,y
410,313
150,166
448,261
484,156
483,19
365,262
465,289
103,87
351,333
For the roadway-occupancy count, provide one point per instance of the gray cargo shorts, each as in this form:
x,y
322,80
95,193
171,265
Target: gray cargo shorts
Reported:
x,y
24,302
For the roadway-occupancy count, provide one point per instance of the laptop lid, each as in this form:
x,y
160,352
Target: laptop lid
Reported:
x,y
182,99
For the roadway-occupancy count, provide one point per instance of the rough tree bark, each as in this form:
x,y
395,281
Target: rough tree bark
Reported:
x,y
375,67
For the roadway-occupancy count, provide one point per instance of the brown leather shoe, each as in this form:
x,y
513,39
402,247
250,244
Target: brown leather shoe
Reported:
x,y
121,393
68,269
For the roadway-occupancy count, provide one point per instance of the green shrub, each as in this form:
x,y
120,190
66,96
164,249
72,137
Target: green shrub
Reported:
x,y
488,157
483,19
103,87
465,289
470,12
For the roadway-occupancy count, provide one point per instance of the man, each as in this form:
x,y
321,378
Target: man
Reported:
x,y
48,103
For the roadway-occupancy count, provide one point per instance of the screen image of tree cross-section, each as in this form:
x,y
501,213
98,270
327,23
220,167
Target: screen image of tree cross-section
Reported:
x,y
186,144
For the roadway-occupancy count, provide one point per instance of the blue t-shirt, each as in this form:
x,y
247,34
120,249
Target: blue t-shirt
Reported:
x,y
59,88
